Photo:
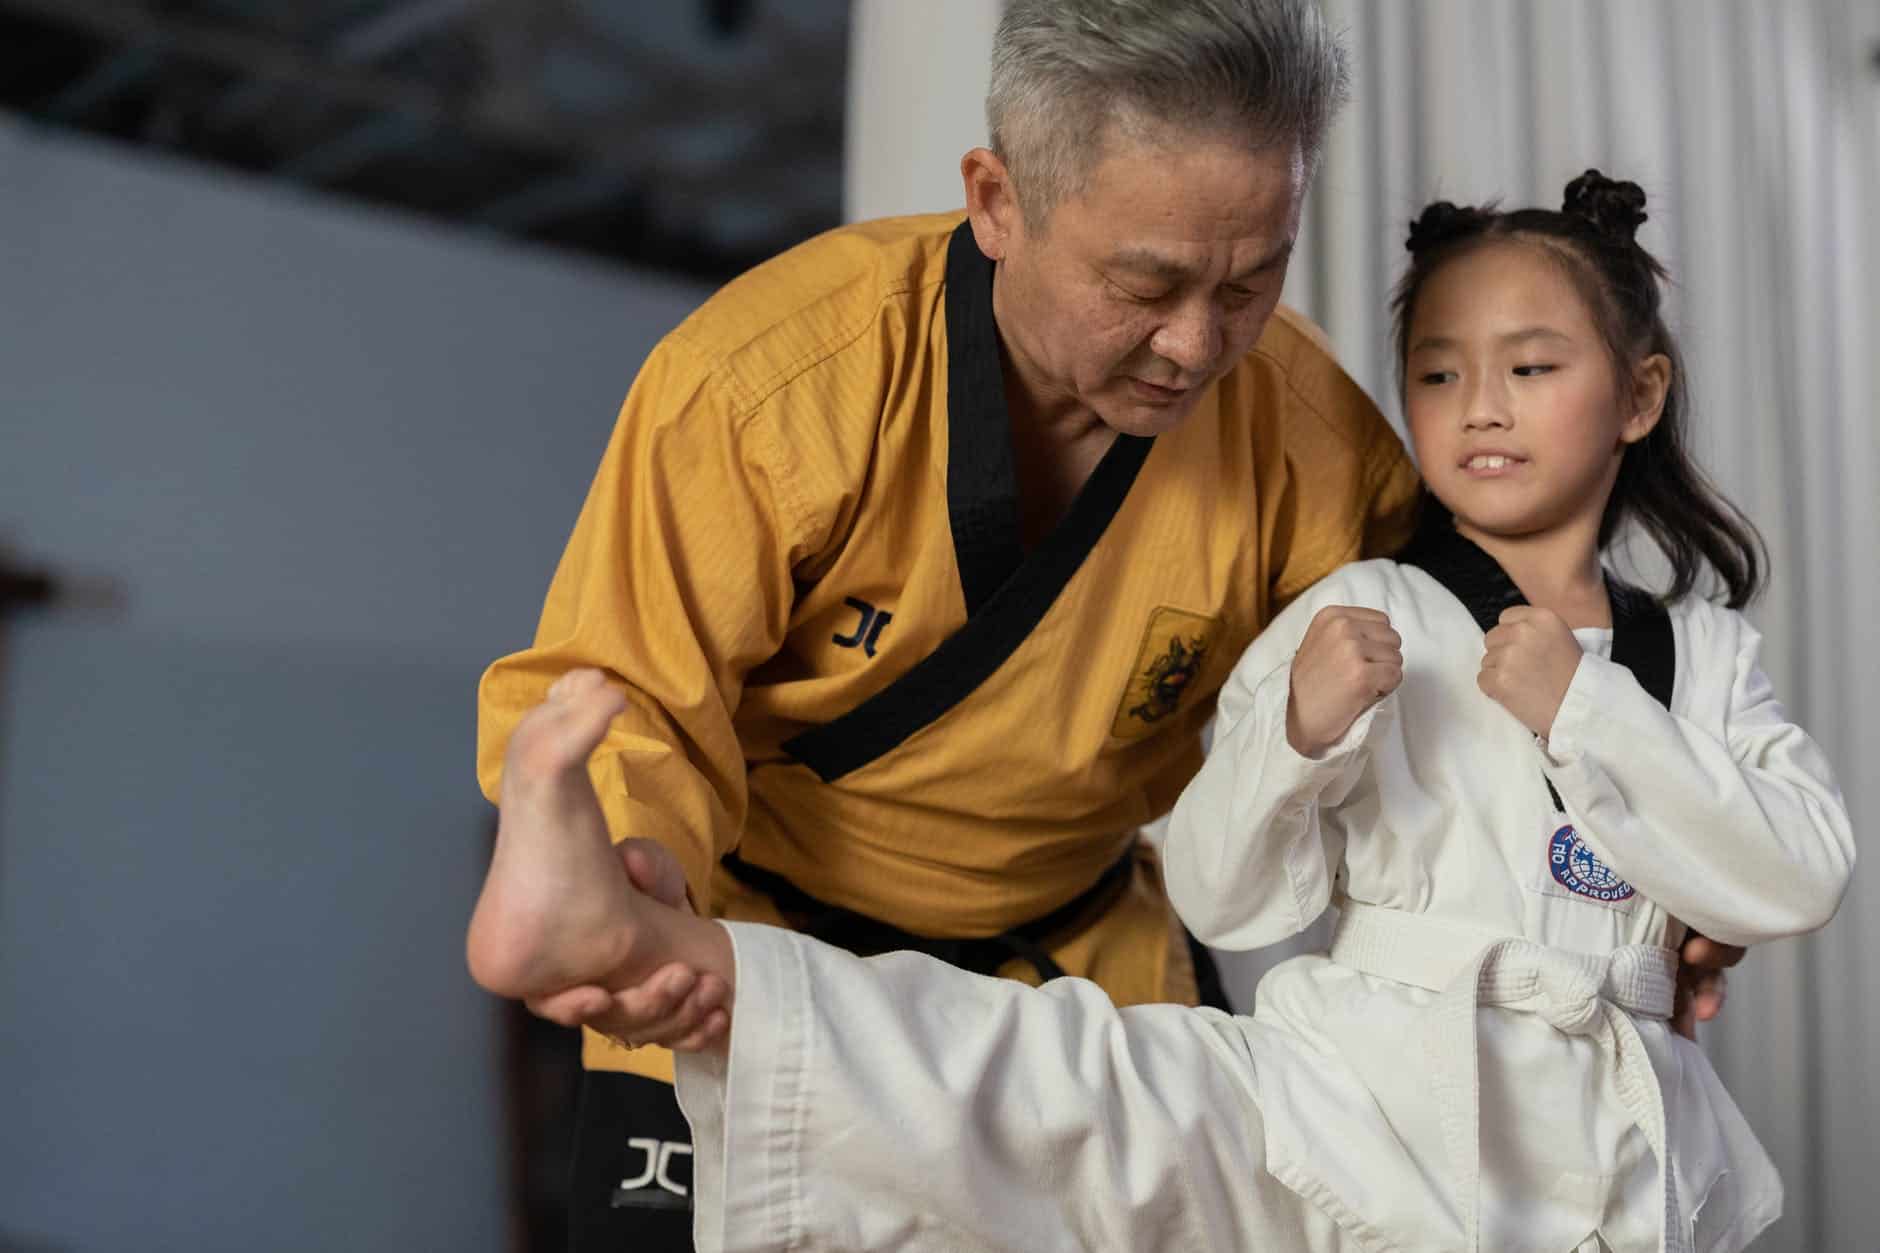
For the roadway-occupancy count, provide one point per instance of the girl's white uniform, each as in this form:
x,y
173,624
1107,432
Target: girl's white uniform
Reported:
x,y
1481,1061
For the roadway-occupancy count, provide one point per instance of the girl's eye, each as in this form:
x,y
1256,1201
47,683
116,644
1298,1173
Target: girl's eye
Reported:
x,y
1432,378
1532,371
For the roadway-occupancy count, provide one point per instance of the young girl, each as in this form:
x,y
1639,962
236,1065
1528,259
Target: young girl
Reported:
x,y
1520,780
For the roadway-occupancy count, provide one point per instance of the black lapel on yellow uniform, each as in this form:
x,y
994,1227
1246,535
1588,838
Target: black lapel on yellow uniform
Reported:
x,y
1014,602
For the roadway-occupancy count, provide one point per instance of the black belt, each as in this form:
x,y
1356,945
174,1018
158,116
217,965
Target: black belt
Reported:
x,y
866,936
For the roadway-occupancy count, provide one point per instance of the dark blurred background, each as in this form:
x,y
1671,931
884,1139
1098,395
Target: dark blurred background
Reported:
x,y
314,315
691,136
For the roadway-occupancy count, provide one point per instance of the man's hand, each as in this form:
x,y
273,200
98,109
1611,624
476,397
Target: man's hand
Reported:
x,y
1350,659
1701,964
674,1007
1529,665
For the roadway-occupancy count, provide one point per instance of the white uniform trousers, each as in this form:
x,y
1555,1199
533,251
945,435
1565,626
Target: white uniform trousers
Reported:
x,y
899,1103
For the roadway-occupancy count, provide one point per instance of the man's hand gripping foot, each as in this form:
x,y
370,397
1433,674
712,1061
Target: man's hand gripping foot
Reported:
x,y
585,932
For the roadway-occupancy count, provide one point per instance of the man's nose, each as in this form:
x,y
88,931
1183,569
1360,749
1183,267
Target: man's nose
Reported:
x,y
1190,338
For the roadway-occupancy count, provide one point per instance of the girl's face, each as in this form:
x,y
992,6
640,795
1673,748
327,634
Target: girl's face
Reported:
x,y
1515,414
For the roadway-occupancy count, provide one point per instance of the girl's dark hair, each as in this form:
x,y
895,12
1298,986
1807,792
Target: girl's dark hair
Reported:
x,y
1659,485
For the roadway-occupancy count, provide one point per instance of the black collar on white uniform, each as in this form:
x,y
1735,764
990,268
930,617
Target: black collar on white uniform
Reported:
x,y
1642,640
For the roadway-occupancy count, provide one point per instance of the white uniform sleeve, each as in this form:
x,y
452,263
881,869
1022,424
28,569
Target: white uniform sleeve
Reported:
x,y
1744,835
1246,860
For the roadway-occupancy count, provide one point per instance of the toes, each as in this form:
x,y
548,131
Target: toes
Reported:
x,y
559,733
575,683
593,705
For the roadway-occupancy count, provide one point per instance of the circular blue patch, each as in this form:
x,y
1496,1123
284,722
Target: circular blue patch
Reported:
x,y
1577,870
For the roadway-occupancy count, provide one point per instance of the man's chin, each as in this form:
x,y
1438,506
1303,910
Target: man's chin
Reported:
x,y
1134,417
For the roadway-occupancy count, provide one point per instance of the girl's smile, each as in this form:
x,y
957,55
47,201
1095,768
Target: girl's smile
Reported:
x,y
1492,464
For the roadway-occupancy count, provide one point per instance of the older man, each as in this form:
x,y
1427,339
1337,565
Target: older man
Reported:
x,y
921,550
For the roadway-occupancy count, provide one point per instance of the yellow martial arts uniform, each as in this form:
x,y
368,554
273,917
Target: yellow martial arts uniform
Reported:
x,y
801,557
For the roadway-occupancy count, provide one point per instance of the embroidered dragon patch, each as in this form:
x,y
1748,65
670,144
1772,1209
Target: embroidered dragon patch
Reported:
x,y
1168,661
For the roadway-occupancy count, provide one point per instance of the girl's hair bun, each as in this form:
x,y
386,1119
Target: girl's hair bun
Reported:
x,y
1440,222
1612,207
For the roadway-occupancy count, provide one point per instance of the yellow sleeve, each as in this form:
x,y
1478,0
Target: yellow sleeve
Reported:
x,y
676,582
1353,491
1393,489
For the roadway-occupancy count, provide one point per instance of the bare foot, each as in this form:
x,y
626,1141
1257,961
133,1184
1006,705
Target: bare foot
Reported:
x,y
557,908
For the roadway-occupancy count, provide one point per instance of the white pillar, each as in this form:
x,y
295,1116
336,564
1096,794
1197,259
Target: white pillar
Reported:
x,y
917,102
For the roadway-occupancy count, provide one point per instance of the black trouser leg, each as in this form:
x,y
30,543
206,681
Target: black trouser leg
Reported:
x,y
632,1185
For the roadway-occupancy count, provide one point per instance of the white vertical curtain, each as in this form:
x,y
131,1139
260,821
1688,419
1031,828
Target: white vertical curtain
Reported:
x,y
1754,127
916,103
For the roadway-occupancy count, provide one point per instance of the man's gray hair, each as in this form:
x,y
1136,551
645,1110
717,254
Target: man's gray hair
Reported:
x,y
1064,72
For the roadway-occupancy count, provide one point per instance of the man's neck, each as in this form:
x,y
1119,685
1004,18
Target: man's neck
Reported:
x,y
1057,440
1056,445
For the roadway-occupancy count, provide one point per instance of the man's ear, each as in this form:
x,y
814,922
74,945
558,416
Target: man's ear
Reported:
x,y
991,202
1651,386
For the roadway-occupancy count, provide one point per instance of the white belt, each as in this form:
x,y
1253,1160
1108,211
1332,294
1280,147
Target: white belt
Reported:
x,y
1581,994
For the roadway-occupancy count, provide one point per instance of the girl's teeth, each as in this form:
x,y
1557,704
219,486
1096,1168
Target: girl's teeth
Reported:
x,y
1488,463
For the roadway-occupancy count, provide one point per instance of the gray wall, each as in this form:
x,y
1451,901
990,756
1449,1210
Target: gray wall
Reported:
x,y
323,460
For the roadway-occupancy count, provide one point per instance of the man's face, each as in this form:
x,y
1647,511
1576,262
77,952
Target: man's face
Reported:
x,y
1139,293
